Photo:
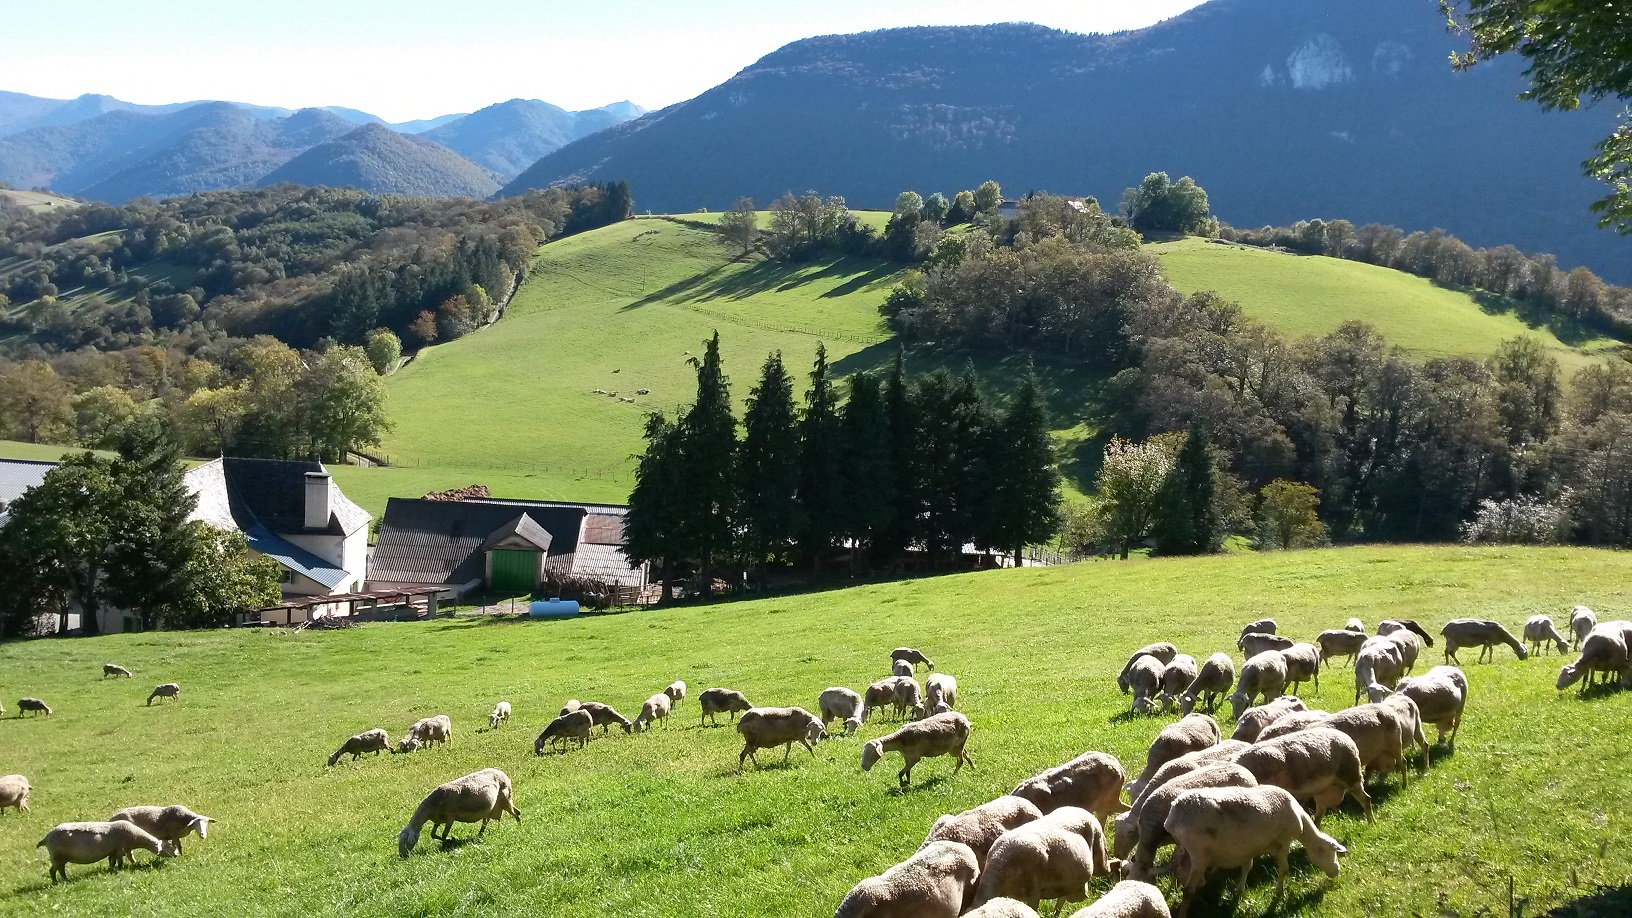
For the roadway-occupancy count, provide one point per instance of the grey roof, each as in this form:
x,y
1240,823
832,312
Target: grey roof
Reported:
x,y
430,541
232,493
294,557
523,528
17,476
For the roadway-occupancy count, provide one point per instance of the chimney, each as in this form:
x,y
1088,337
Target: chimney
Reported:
x,y
318,508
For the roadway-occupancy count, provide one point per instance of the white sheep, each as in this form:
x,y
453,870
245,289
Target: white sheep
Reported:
x,y
1148,829
375,741
937,735
716,701
1144,677
1261,626
1002,907
1262,676
654,709
1228,828
1292,723
169,824
1302,665
170,690
1410,645
1582,621
676,691
1380,663
979,827
89,842
1342,642
1213,681
879,694
1355,624
1252,722
1542,635
1480,633
940,691
1092,781
24,705
1194,733
936,882
901,668
573,725
114,669
1054,857
1379,736
839,703
1163,651
437,729
912,656
1128,899
1225,751
1318,762
1176,677
605,716
480,796
1604,651
1252,645
500,715
1441,695
767,728
14,793
908,697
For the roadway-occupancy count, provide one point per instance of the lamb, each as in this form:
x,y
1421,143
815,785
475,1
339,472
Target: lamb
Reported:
x,y
605,716
1254,644
939,734
1263,675
1092,781
767,728
902,668
480,796
879,694
1003,907
715,701
1252,723
908,697
1410,646
1379,664
979,827
14,793
1176,677
839,703
1229,827
89,842
1320,763
1540,634
1261,626
912,656
1128,899
168,824
1145,678
170,690
573,725
500,715
438,729
1054,857
1394,625
32,704
1302,665
936,882
1480,633
1340,643
1292,723
1150,829
1162,651
114,669
1441,696
1213,681
1582,621
375,741
676,691
655,708
1194,732
1604,651
940,692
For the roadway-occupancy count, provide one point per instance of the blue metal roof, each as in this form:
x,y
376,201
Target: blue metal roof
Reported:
x,y
294,557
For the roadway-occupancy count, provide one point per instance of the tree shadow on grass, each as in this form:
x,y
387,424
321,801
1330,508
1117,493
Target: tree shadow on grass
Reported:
x,y
718,283
1607,901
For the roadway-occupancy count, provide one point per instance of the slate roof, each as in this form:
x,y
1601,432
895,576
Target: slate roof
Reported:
x,y
17,476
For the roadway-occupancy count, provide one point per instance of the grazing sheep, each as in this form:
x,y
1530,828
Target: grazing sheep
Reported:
x,y
1193,733
1541,634
1162,651
936,882
767,728
437,729
1381,663
1441,696
676,691
1604,651
839,703
572,704
1128,899
1054,857
114,669
1225,751
1254,644
1261,626
1319,762
1582,621
978,827
1302,665
1378,735
908,697
655,708
1003,907
573,725
1410,646
1355,624
879,694
1229,827
1176,677
851,725
168,824
1340,643
1292,723
375,741
940,734
170,690
902,668
500,715
1409,717
1263,675
1390,626
1253,721
912,656
1480,633
89,842
1150,830
605,716
1145,678
14,793
480,796
25,705
940,689
1213,681
715,701
1092,781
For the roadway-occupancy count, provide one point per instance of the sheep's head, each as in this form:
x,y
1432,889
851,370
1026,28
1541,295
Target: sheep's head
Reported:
x,y
815,732
1376,692
1562,646
1238,704
201,825
1124,836
1325,852
407,839
408,744
1568,676
919,712
627,726
940,707
1187,703
851,725
870,754
538,745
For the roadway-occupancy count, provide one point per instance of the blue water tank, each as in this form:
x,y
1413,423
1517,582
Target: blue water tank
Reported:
x,y
554,607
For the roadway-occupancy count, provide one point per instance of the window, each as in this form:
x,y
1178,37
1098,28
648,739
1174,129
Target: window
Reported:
x,y
286,576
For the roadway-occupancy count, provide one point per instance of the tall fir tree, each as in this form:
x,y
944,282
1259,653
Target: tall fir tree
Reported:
x,y
867,464
821,482
1187,520
151,545
653,530
901,410
708,435
1023,500
947,462
768,470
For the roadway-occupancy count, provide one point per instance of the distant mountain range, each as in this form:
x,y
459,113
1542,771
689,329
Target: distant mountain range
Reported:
x,y
101,148
1282,109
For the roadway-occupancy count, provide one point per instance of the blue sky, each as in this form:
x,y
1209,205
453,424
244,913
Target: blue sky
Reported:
x,y
408,59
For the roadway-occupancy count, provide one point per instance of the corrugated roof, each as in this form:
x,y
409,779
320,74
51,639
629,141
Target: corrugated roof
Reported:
x,y
294,557
17,476
606,562
603,528
426,541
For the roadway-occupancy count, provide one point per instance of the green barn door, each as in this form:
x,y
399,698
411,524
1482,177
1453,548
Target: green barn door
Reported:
x,y
513,571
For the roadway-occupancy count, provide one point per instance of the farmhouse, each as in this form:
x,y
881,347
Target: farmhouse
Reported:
x,y
501,545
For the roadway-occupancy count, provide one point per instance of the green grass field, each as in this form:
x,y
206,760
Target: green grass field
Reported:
x,y
661,823
1313,295
35,200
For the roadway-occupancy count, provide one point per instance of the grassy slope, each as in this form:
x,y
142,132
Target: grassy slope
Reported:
x,y
1313,295
35,200
660,824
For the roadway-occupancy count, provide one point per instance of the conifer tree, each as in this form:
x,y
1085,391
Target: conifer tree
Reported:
x,y
708,447
821,486
652,528
899,533
1023,497
768,469
1187,512
868,464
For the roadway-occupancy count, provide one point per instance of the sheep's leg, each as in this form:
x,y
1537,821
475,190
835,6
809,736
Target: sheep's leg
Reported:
x,y
787,749
809,747
1280,870
1358,792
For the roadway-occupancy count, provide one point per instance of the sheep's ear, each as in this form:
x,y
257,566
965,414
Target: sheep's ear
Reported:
x,y
1338,849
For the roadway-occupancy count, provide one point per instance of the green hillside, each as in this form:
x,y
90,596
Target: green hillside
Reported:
x,y
1313,295
1538,789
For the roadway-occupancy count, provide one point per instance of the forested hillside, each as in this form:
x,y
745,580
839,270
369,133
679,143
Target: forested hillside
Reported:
x,y
376,159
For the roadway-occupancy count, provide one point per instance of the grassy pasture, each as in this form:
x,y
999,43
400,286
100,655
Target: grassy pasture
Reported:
x,y
661,824
35,200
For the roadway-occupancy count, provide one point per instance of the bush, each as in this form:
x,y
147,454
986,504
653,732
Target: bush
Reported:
x,y
1524,520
